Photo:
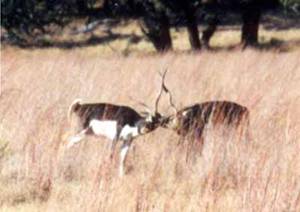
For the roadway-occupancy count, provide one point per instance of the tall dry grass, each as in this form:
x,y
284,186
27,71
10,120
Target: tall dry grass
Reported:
x,y
38,173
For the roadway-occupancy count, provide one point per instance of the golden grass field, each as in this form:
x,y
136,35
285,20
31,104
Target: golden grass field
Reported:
x,y
39,174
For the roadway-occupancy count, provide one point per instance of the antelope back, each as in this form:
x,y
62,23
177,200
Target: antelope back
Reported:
x,y
214,112
222,112
105,111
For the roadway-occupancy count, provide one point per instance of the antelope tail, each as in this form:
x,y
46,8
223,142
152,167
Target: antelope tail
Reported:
x,y
74,104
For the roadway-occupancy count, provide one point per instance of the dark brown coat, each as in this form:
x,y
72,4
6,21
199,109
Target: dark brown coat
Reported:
x,y
193,119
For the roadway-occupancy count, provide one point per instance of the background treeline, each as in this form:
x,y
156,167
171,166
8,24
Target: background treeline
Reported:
x,y
24,21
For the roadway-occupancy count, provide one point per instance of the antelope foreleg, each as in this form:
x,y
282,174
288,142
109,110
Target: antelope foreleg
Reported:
x,y
123,154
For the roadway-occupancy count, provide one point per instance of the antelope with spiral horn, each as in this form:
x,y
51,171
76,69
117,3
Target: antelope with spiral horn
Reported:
x,y
115,122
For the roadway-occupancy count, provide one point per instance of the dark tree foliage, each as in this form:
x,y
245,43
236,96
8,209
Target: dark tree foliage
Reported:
x,y
292,6
155,22
22,18
250,10
158,15
28,18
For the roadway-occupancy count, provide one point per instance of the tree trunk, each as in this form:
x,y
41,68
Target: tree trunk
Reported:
x,y
164,40
158,32
250,27
194,36
192,27
208,33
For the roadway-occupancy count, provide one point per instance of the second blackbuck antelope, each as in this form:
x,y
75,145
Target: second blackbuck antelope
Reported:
x,y
115,122
191,121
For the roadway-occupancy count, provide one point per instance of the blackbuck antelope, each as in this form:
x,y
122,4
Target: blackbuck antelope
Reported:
x,y
192,120
115,122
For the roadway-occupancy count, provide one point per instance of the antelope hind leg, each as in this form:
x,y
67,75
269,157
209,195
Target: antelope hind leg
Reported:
x,y
77,138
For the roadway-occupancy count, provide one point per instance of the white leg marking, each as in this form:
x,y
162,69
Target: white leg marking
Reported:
x,y
76,138
123,155
129,132
105,128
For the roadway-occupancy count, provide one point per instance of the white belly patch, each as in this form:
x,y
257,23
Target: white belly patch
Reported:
x,y
105,128
129,131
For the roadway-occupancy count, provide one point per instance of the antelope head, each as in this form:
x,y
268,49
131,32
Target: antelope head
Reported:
x,y
153,119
